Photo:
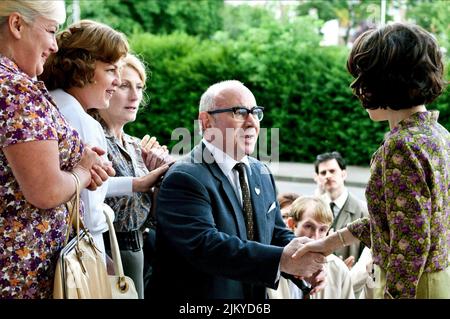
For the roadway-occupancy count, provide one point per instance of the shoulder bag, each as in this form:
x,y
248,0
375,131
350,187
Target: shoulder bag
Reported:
x,y
80,270
122,287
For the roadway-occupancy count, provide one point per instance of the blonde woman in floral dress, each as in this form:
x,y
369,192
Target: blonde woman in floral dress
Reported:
x,y
39,152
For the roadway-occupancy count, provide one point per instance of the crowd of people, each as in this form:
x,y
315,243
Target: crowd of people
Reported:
x,y
216,228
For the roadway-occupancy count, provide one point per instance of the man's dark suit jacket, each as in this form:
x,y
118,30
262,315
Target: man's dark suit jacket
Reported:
x,y
202,250
352,210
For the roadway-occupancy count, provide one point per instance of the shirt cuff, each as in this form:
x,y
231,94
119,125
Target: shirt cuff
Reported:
x,y
277,278
120,186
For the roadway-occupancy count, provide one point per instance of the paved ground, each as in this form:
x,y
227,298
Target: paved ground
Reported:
x,y
299,178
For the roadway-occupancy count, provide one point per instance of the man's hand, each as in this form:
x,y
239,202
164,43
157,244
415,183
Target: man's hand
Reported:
x,y
304,266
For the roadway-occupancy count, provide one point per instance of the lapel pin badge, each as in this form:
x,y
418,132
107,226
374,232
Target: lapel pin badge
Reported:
x,y
257,190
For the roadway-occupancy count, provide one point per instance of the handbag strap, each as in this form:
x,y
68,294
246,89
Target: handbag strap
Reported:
x,y
118,269
73,206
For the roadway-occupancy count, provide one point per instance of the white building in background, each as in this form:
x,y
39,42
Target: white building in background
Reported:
x,y
331,33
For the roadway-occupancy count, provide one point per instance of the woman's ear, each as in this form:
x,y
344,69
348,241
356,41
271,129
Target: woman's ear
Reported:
x,y
16,25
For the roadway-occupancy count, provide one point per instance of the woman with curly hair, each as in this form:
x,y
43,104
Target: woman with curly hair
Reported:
x,y
82,75
398,69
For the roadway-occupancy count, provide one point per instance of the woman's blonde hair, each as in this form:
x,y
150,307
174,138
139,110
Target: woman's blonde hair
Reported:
x,y
322,212
80,46
137,64
30,9
132,61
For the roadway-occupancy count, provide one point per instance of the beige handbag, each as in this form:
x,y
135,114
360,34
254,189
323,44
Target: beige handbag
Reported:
x,y
80,270
122,286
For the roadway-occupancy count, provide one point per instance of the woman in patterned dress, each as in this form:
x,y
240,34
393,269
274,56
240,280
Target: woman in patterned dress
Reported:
x,y
39,153
398,69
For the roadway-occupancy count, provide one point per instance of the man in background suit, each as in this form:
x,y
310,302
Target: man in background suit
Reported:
x,y
219,230
330,176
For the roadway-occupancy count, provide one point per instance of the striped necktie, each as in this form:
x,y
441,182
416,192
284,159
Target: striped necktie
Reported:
x,y
246,200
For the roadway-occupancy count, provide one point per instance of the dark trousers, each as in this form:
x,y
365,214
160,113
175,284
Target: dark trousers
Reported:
x,y
149,254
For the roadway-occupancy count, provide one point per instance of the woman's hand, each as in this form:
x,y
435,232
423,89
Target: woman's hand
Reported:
x,y
93,170
105,165
343,237
148,142
315,246
145,183
153,154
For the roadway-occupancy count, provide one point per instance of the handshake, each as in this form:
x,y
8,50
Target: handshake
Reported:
x,y
299,261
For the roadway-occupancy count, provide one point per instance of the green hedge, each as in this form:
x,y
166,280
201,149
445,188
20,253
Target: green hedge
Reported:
x,y
304,88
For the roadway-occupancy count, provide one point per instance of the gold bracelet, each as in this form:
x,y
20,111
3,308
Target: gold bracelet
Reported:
x,y
341,238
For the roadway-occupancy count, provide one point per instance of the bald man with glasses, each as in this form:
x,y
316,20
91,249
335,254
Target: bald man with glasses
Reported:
x,y
220,233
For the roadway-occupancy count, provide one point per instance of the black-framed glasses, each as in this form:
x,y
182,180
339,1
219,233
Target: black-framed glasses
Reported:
x,y
240,113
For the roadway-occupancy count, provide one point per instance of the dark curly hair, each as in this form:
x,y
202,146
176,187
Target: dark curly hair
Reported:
x,y
397,66
80,46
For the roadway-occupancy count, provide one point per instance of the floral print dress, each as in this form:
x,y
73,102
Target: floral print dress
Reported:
x,y
408,199
30,238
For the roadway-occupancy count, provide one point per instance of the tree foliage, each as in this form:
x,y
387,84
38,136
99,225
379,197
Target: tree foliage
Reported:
x,y
238,19
304,87
201,18
433,16
189,45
